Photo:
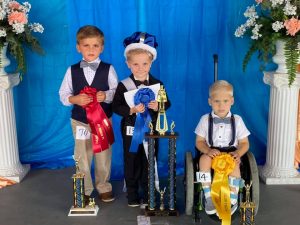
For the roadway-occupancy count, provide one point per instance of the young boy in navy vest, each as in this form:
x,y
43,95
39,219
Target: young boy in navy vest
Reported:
x,y
221,131
90,72
140,52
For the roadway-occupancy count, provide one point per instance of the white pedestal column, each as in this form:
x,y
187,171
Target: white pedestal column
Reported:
x,y
283,111
10,166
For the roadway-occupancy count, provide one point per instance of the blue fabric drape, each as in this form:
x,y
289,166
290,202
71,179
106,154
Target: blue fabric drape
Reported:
x,y
189,32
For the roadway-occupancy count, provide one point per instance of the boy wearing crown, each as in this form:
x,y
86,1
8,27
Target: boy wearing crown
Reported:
x,y
140,52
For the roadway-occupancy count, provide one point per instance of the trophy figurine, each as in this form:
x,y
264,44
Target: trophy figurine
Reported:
x,y
80,206
161,123
151,128
162,206
247,208
172,126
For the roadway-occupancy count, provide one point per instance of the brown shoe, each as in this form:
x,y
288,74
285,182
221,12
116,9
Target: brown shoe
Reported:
x,y
107,197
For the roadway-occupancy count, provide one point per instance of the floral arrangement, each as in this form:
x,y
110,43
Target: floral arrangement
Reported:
x,y
269,21
16,31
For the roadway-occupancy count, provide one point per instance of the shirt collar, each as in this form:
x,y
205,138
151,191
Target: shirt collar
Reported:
x,y
214,115
147,78
94,61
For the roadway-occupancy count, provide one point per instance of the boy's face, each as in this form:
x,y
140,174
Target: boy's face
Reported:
x,y
140,65
221,102
90,48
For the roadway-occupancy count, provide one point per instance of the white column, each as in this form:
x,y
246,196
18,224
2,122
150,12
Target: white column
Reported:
x,y
282,128
10,166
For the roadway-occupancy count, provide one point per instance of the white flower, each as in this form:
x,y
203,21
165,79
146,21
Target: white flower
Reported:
x,y
26,6
18,28
289,9
240,31
250,22
2,14
276,2
2,32
36,27
277,26
250,12
255,32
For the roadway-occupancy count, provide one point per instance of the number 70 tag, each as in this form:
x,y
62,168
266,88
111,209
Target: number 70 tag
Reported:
x,y
203,177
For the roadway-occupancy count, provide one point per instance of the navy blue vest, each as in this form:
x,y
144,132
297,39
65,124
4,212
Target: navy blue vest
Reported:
x,y
100,82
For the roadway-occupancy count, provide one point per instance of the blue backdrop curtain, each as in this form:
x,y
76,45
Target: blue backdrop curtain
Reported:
x,y
189,32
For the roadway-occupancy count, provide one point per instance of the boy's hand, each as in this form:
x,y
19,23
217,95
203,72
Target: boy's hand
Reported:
x,y
140,108
81,99
101,96
213,153
153,105
236,156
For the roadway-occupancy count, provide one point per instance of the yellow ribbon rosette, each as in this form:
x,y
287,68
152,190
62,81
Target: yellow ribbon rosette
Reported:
x,y
223,165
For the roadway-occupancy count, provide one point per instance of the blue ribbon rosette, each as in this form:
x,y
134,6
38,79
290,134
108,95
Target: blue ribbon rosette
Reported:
x,y
144,96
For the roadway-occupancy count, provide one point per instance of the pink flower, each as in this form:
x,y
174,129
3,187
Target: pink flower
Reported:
x,y
17,17
259,1
292,25
14,5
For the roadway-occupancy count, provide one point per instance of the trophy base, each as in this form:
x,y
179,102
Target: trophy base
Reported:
x,y
158,212
87,211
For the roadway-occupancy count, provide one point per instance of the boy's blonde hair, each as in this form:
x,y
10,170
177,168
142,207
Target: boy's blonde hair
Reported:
x,y
221,85
89,31
137,51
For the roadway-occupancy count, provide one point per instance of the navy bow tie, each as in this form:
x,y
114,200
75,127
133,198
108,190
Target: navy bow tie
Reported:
x,y
138,83
93,66
226,120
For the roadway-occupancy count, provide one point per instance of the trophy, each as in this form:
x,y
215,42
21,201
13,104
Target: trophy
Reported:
x,y
161,123
80,206
162,206
247,208
168,209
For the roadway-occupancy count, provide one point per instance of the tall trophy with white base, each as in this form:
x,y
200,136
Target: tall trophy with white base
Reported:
x,y
81,205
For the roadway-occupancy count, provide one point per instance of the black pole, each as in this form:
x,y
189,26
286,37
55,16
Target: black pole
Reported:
x,y
215,67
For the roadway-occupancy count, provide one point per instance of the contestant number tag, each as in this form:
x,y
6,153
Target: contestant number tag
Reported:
x,y
82,133
203,177
129,130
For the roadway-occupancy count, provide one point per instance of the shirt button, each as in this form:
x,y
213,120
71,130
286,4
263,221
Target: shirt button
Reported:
x,y
221,126
219,136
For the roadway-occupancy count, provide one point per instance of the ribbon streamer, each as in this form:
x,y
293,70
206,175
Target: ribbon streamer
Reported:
x,y
223,165
102,132
144,96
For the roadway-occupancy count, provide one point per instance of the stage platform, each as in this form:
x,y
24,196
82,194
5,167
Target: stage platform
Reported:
x,y
44,197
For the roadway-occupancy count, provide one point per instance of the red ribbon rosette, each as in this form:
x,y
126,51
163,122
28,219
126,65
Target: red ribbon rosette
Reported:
x,y
101,127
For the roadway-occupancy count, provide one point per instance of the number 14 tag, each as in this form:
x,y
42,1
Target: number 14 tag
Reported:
x,y
203,177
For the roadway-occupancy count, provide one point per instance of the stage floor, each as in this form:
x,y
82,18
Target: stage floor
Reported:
x,y
44,197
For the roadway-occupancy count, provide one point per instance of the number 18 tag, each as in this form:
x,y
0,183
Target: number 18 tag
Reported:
x,y
203,177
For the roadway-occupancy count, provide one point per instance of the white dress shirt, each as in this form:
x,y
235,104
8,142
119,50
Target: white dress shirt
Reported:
x,y
66,88
221,131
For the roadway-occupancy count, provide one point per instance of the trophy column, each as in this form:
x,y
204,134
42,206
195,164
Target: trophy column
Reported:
x,y
171,210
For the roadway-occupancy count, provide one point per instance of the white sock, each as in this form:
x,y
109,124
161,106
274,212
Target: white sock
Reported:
x,y
234,183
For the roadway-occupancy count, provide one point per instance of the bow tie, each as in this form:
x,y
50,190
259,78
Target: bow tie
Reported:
x,y
138,82
226,120
93,66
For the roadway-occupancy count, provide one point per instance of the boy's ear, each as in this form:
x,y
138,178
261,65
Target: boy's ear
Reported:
x,y
209,101
127,64
232,101
77,47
